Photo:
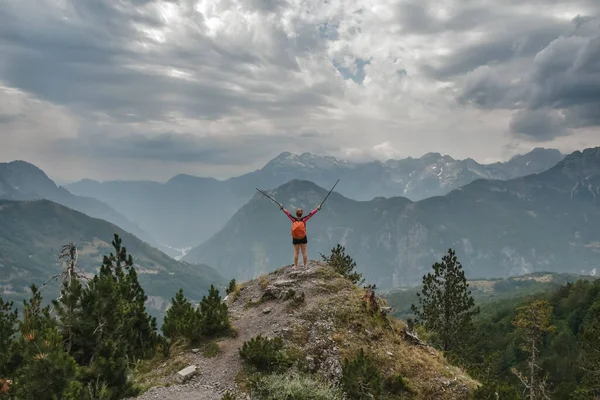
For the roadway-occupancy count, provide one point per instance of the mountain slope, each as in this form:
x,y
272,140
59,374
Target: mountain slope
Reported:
x,y
187,210
181,212
547,221
31,236
20,180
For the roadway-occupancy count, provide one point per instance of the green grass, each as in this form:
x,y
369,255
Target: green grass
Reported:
x,y
210,349
293,385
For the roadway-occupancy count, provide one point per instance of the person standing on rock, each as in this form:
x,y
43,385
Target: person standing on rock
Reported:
x,y
299,238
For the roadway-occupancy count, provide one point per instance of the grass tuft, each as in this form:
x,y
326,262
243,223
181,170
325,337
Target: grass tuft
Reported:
x,y
211,349
293,385
263,281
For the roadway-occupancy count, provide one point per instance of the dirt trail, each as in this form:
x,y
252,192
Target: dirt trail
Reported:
x,y
269,318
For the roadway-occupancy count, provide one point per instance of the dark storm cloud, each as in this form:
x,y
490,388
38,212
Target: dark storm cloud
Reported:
x,y
95,61
517,37
567,73
528,62
418,17
183,147
488,88
584,115
563,76
537,125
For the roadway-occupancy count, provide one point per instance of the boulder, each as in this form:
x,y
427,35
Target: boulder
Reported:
x,y
187,373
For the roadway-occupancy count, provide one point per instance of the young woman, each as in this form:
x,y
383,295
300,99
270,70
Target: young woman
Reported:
x,y
299,238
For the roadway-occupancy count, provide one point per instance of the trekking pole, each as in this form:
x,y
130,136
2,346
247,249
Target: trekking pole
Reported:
x,y
329,193
269,197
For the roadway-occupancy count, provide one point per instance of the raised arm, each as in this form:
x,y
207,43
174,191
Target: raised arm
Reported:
x,y
313,212
286,212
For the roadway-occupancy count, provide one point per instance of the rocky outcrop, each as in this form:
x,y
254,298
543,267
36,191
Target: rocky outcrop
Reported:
x,y
323,319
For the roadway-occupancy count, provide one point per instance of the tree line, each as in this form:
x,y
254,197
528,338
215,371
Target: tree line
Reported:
x,y
83,344
543,347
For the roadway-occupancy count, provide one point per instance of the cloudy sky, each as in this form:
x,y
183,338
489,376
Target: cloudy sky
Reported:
x,y
112,89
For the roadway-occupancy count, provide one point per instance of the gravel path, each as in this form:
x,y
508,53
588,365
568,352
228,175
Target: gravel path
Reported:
x,y
218,374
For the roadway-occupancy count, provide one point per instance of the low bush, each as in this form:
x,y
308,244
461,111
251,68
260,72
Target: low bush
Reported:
x,y
361,378
263,353
293,385
396,385
228,396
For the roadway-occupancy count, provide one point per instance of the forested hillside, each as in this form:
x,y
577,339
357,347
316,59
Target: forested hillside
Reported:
x,y
487,291
542,346
569,353
32,234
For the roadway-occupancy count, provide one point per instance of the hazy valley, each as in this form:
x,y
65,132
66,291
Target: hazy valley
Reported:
x,y
540,222
187,210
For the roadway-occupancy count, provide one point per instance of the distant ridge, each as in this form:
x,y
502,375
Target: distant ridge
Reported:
x,y
542,222
187,210
20,180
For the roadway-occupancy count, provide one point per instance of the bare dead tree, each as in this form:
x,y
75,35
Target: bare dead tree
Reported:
x,y
533,321
68,259
70,273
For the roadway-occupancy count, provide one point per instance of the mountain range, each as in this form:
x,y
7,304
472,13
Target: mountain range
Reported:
x,y
188,210
33,232
545,221
20,180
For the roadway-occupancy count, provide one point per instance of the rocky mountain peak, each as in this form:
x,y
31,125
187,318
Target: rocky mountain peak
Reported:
x,y
303,160
580,164
26,178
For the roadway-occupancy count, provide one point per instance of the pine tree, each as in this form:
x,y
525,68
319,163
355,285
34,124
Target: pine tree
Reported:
x,y
214,314
231,288
533,322
45,370
124,314
343,264
108,324
182,320
8,327
447,306
143,336
589,338
35,317
69,312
